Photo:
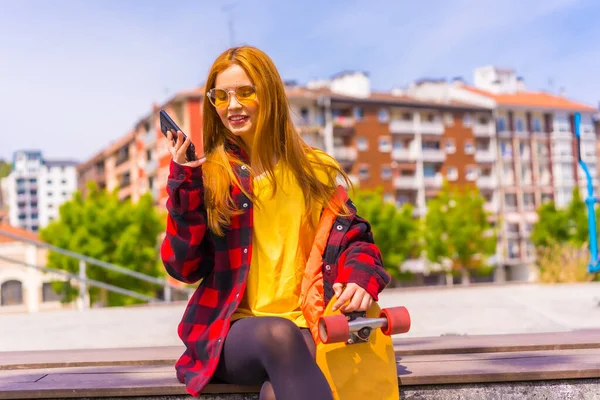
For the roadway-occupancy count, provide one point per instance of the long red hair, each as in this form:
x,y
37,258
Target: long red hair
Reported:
x,y
276,138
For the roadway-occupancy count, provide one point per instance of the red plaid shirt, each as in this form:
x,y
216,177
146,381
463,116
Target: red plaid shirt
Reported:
x,y
190,252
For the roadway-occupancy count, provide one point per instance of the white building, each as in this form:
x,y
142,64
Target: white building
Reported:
x,y
37,188
24,289
536,153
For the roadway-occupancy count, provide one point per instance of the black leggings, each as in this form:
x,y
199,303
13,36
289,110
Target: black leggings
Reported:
x,y
275,353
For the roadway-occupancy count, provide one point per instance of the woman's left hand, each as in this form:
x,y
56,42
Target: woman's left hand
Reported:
x,y
361,300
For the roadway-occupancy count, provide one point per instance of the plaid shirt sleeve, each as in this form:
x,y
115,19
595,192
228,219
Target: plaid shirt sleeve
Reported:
x,y
185,252
361,261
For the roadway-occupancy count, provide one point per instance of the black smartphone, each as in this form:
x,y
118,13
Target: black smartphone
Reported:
x,y
167,124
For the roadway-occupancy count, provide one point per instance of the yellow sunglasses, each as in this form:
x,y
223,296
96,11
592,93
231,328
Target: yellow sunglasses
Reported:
x,y
220,98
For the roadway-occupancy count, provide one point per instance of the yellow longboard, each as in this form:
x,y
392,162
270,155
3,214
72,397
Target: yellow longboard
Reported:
x,y
361,369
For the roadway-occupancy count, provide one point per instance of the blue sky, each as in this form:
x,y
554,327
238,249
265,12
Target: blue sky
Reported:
x,y
76,75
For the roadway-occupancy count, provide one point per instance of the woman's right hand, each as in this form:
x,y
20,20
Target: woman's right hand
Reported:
x,y
178,149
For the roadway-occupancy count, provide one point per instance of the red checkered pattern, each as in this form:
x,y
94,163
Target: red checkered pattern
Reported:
x,y
191,253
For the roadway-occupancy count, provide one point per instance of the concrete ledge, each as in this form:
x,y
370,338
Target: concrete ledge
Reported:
x,y
580,389
538,366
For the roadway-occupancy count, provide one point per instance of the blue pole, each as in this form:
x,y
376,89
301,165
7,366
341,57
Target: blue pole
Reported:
x,y
594,265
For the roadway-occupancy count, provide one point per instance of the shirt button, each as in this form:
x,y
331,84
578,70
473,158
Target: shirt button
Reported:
x,y
339,227
245,251
245,205
327,267
181,176
243,167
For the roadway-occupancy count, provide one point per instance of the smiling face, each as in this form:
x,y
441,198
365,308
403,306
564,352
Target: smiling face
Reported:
x,y
240,113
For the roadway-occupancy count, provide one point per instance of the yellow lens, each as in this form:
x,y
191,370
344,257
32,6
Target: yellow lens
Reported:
x,y
220,97
245,93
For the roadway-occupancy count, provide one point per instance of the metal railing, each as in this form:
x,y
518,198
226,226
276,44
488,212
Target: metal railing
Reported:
x,y
82,277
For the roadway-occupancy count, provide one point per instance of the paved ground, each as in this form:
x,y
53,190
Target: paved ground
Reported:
x,y
435,311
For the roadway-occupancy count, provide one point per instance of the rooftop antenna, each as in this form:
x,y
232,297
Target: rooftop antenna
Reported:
x,y
227,9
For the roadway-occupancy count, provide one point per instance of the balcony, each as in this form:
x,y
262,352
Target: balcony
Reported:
x,y
402,126
432,128
487,182
587,132
492,207
433,155
545,180
563,158
343,126
562,135
483,130
150,167
485,155
433,181
345,153
150,138
345,156
406,182
403,155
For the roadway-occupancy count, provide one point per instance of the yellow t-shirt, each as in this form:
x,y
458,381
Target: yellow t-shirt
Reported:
x,y
281,244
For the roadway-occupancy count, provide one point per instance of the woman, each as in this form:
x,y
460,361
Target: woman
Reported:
x,y
261,221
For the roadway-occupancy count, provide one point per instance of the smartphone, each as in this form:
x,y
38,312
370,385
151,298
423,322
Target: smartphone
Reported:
x,y
167,124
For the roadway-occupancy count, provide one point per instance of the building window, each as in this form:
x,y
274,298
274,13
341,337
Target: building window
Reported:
x,y
501,124
469,147
383,115
448,119
537,126
399,145
362,144
467,120
546,198
529,201
363,172
359,113
48,294
512,227
11,293
429,171
450,146
385,144
470,173
513,249
510,200
386,172
519,123
452,173
430,145
506,148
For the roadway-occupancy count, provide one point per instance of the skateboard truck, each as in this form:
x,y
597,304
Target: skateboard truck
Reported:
x,y
356,327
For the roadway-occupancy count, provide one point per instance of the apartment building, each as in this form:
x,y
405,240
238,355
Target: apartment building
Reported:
x,y
139,162
536,153
37,187
406,145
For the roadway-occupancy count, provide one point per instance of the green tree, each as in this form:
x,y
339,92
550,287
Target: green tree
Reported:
x,y
561,234
457,231
5,168
395,230
103,227
564,225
